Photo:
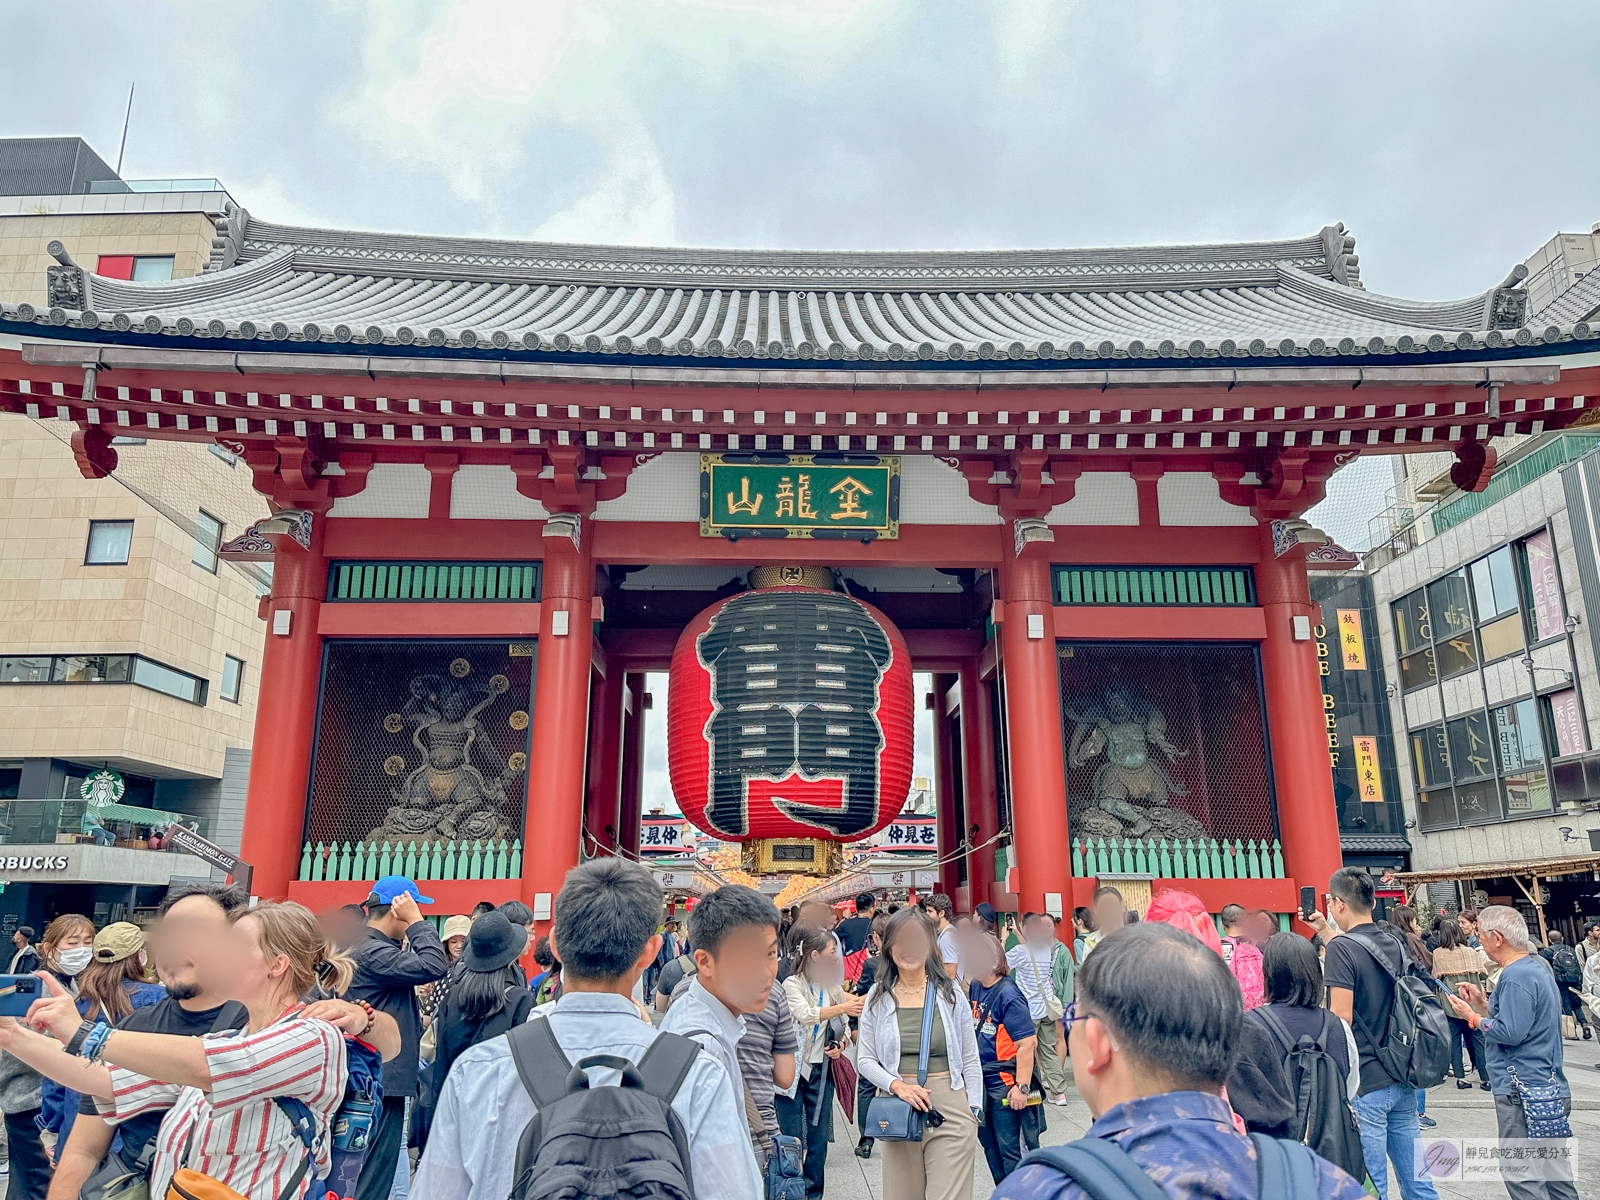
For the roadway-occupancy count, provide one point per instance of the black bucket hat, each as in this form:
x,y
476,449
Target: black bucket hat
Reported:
x,y
493,942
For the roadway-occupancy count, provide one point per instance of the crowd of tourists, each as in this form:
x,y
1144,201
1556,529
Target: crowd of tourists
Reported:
x,y
252,1049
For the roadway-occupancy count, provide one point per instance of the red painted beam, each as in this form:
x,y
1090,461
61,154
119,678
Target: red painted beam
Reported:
x,y
1274,895
429,620
451,897
391,537
1163,545
1161,624
680,542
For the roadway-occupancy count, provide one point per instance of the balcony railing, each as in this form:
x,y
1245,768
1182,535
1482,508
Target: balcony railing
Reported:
x,y
417,860
1173,858
60,822
110,186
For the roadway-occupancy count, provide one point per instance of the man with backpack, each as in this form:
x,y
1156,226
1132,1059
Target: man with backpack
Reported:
x,y
1243,956
1152,1033
1402,1036
508,1120
1569,978
388,973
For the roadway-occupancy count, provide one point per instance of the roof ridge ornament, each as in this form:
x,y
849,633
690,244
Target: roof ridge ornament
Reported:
x,y
1344,264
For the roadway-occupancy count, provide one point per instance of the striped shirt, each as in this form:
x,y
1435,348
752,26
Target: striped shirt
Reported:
x,y
241,1138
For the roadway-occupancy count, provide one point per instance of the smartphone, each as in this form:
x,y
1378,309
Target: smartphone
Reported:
x,y
1308,902
17,994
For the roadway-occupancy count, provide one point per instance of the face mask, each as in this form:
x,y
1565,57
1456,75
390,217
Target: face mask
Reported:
x,y
75,960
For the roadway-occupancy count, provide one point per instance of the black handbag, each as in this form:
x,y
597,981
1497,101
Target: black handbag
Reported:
x,y
891,1119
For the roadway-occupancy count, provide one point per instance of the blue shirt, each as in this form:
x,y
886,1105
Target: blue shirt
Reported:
x,y
1186,1143
1523,1031
484,1107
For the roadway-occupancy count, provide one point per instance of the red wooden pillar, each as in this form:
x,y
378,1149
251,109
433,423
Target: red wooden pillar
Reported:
x,y
946,764
1033,723
632,800
1307,817
560,721
286,716
605,760
977,738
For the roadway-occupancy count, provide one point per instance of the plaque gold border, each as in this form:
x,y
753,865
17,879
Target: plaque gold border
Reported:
x,y
888,532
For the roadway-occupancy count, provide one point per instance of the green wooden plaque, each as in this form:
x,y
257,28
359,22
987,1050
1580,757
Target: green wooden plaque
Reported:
x,y
849,497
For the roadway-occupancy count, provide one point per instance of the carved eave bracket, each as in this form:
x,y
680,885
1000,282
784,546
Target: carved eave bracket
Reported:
x,y
577,481
96,456
1474,466
1034,482
262,541
289,474
1294,481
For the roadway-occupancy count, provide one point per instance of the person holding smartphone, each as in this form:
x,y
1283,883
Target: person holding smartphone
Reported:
x,y
820,1005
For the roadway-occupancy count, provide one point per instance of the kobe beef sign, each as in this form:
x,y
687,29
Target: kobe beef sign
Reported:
x,y
846,497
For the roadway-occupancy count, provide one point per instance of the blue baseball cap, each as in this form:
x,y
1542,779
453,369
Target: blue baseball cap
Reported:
x,y
391,886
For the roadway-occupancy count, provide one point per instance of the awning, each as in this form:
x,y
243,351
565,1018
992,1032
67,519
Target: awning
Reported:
x,y
1542,867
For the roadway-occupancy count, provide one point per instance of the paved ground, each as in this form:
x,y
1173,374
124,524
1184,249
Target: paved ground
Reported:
x,y
1459,1113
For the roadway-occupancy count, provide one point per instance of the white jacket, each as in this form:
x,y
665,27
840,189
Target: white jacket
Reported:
x,y
878,1058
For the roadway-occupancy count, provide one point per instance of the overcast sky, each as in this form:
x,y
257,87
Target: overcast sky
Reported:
x,y
1453,138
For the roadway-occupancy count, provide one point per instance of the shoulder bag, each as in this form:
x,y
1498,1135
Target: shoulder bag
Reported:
x,y
1544,1108
890,1118
1054,1010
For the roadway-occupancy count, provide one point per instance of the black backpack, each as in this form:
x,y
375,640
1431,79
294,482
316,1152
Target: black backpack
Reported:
x,y
1322,1116
1565,961
1416,1045
1285,1170
622,1142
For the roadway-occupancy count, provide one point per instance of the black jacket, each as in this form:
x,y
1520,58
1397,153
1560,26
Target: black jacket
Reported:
x,y
457,1034
387,976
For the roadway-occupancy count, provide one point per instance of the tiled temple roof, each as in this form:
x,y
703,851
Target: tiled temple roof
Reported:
x,y
338,290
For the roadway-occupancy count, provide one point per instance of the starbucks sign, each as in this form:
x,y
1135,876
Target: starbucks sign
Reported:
x,y
103,787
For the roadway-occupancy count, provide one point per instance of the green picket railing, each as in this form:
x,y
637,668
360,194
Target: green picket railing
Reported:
x,y
1172,858
341,861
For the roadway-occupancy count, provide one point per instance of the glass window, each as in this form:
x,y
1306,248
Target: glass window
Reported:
x,y
1501,638
1456,654
1516,734
207,540
1494,584
109,542
1565,721
1436,809
1429,757
164,679
1479,801
232,677
1417,669
1527,793
1471,755
152,269
1411,621
25,670
91,668
1448,605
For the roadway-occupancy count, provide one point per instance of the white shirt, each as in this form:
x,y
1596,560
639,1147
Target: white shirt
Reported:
x,y
697,1011
484,1108
949,948
1035,986
878,1052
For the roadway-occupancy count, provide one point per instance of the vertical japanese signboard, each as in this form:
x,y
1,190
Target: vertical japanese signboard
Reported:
x,y
1567,720
1355,708
855,496
1544,588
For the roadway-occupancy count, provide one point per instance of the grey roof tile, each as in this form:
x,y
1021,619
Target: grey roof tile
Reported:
x,y
929,310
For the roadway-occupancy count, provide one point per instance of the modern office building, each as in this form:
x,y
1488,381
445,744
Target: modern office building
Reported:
x,y
129,649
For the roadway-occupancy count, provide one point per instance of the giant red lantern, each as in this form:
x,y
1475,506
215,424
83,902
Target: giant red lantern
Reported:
x,y
789,718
